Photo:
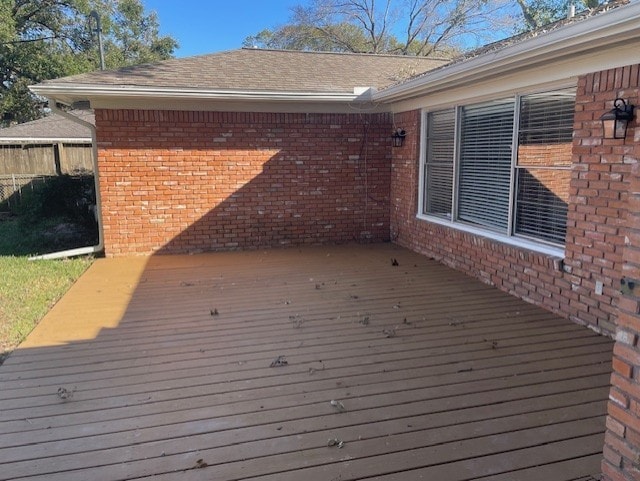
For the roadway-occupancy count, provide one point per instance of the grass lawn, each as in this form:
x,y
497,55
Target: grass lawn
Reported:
x,y
28,289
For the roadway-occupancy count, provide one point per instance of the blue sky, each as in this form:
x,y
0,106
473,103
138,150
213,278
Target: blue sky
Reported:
x,y
202,26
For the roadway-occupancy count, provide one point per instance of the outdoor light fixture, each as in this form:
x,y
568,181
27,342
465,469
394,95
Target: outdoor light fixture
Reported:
x,y
615,122
398,137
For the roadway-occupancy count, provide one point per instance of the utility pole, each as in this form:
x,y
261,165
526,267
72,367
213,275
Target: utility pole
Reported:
x,y
98,30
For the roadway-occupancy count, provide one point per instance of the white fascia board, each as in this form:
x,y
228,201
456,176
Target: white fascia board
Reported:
x,y
69,93
606,30
199,105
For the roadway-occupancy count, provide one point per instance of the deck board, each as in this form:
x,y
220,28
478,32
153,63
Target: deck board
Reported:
x,y
198,382
440,376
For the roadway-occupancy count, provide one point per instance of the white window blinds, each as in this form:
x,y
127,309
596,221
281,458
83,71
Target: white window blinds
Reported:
x,y
439,162
485,164
503,165
543,164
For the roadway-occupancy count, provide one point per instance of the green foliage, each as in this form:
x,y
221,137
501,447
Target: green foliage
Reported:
x,y
63,196
53,217
537,13
44,39
21,308
56,215
7,28
19,237
134,36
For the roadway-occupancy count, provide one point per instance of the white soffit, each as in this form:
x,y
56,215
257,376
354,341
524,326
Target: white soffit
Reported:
x,y
237,106
70,93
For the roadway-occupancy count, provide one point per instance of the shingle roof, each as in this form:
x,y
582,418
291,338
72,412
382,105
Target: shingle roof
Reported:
x,y
264,70
50,128
578,17
560,51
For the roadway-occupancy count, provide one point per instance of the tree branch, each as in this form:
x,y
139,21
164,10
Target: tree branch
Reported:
x,y
528,16
29,40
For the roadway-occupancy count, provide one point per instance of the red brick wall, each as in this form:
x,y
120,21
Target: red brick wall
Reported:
x,y
176,181
622,440
595,224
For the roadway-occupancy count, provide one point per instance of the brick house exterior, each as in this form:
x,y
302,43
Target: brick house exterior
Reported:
x,y
191,170
602,243
612,190
201,181
596,218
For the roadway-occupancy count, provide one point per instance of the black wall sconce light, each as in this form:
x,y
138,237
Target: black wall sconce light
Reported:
x,y
615,122
397,138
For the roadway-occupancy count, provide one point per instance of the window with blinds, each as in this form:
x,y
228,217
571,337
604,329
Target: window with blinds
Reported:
x,y
438,179
543,168
485,164
511,169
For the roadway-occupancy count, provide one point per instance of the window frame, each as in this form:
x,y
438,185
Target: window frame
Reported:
x,y
454,175
511,237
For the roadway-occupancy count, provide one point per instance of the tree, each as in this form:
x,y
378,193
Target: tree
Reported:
x,y
44,39
308,37
404,27
537,13
132,37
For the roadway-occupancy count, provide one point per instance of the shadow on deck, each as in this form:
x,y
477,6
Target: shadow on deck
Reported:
x,y
324,363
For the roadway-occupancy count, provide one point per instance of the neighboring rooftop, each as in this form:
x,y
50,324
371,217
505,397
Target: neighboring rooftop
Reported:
x,y
264,70
50,128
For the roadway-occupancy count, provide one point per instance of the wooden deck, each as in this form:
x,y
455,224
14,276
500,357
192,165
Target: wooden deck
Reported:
x,y
314,364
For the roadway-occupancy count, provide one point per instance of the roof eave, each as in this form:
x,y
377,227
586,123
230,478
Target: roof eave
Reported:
x,y
70,93
601,31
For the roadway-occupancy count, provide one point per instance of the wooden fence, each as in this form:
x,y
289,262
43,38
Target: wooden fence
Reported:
x,y
45,159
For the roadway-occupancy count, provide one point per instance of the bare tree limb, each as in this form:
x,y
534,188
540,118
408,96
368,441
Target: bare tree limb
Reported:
x,y
371,25
531,21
